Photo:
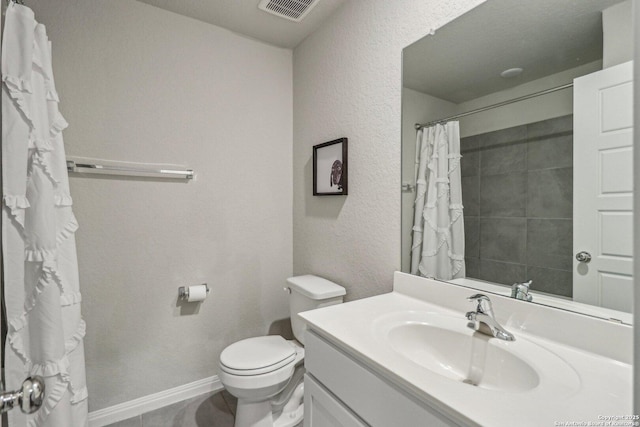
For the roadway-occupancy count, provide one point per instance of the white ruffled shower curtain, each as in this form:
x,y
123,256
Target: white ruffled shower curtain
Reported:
x,y
438,228
41,289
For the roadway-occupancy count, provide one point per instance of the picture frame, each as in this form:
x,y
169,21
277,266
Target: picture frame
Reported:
x,y
330,168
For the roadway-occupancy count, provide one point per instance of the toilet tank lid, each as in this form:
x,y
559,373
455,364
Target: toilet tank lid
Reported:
x,y
315,287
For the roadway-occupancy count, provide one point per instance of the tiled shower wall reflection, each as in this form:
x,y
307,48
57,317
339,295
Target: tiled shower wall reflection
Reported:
x,y
517,191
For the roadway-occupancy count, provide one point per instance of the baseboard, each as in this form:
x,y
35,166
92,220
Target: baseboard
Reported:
x,y
154,401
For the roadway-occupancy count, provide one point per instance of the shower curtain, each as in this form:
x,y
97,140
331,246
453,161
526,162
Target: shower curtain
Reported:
x,y
44,326
438,228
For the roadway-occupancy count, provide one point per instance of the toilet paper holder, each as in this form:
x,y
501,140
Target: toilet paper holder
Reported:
x,y
183,292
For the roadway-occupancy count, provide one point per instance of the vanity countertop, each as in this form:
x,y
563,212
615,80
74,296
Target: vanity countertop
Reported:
x,y
595,383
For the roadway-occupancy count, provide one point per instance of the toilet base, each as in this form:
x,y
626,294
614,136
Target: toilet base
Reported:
x,y
253,414
293,412
260,414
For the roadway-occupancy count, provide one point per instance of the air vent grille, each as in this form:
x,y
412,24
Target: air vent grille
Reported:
x,y
293,10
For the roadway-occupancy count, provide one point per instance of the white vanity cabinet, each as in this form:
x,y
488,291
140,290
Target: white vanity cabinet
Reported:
x,y
341,391
323,409
394,360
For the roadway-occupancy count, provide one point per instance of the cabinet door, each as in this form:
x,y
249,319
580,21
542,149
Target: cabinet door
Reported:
x,y
322,409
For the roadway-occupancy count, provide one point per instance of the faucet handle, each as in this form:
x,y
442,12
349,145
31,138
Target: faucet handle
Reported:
x,y
521,291
526,284
478,297
484,303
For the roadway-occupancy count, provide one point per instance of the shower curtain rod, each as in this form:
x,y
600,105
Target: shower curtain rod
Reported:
x,y
490,107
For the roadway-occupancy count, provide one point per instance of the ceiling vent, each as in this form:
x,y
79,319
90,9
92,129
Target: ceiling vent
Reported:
x,y
293,10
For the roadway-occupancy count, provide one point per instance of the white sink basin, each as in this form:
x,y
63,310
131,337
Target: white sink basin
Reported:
x,y
471,359
446,346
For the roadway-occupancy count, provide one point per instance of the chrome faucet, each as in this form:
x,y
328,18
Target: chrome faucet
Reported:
x,y
521,291
483,320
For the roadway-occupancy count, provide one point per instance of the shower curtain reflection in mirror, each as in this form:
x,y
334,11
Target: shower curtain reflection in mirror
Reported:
x,y
438,228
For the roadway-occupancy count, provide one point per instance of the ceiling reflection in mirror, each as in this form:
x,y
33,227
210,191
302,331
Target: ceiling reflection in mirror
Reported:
x,y
545,188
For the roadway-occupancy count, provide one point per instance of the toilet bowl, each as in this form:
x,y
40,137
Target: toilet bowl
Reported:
x,y
266,373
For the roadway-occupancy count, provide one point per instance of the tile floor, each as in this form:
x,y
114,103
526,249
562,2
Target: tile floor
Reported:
x,y
212,410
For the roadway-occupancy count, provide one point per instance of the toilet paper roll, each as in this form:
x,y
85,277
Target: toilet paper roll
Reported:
x,y
197,293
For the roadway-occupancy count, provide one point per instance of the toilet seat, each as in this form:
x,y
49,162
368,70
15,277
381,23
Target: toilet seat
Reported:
x,y
257,356
256,369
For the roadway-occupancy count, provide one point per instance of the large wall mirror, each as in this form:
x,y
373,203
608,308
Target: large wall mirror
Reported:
x,y
517,153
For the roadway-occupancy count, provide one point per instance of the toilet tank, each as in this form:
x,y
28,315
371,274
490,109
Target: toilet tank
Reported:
x,y
307,293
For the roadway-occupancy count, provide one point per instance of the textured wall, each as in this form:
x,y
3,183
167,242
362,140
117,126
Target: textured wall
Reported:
x,y
347,82
141,84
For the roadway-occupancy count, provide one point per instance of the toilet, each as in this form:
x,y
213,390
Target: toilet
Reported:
x,y
266,373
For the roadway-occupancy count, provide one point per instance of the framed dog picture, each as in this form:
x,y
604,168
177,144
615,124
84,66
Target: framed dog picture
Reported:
x,y
330,168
